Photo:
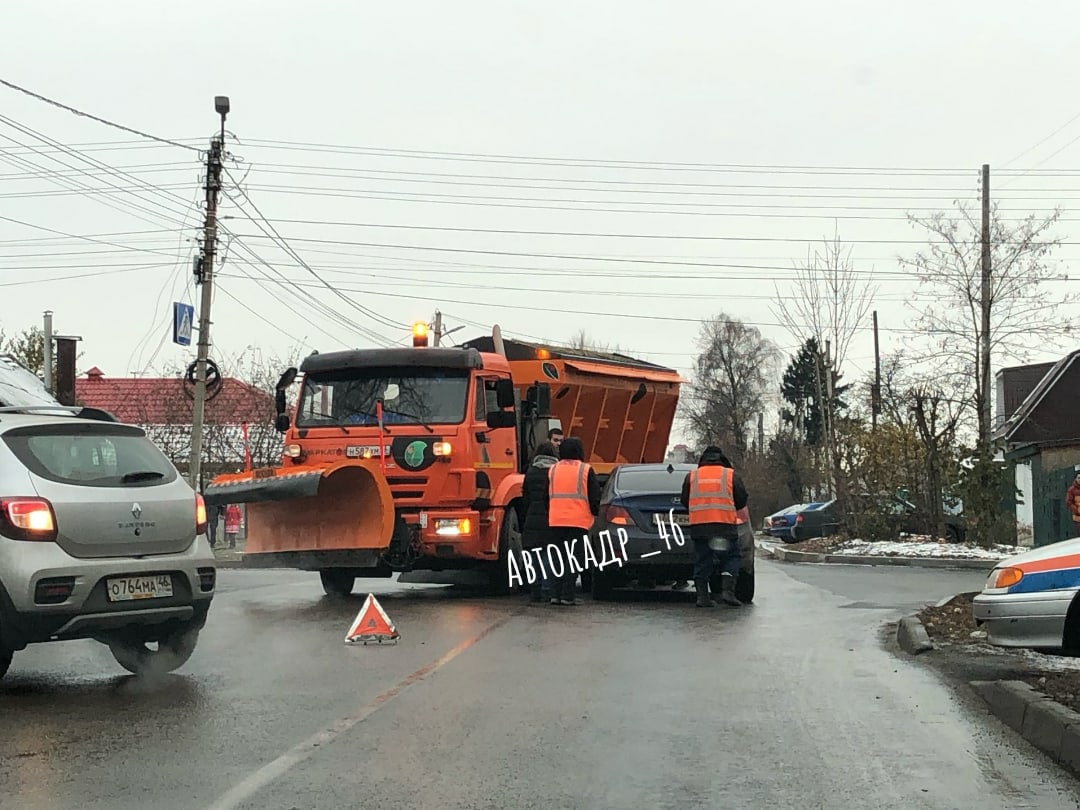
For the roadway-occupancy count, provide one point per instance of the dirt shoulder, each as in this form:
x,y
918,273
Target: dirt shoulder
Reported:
x,y
952,627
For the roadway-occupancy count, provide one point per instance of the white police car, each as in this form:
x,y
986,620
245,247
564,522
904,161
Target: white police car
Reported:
x,y
1030,600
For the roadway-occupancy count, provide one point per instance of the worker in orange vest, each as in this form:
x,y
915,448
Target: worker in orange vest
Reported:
x,y
1072,503
713,495
573,503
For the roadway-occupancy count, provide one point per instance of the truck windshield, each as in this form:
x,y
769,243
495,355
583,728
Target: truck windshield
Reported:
x,y
409,396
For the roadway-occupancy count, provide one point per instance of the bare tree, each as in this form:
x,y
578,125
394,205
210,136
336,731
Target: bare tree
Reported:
x,y
1024,298
830,304
582,341
936,418
735,374
831,300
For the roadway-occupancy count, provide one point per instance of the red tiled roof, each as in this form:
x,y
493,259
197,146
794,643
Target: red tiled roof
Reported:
x,y
166,400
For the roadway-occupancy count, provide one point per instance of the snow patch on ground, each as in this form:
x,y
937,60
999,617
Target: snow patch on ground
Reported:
x,y
1040,661
863,548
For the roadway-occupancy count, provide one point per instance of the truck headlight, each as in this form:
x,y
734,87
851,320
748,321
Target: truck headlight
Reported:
x,y
453,528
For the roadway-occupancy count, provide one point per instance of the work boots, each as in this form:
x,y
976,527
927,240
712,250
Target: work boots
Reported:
x,y
702,588
727,591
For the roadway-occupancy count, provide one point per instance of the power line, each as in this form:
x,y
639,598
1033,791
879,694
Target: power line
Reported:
x,y
108,123
288,249
593,313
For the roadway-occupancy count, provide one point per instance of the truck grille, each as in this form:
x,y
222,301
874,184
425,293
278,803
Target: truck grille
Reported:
x,y
406,487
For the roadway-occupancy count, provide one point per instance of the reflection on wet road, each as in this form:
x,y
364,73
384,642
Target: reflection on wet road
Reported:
x,y
489,703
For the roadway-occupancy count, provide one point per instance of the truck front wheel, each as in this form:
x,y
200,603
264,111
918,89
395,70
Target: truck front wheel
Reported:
x,y
509,543
337,582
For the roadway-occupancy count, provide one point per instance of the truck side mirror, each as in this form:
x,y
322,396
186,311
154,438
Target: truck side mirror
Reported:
x,y
501,419
504,393
286,379
281,424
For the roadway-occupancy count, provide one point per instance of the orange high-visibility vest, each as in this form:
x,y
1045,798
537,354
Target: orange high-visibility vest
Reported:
x,y
568,495
711,496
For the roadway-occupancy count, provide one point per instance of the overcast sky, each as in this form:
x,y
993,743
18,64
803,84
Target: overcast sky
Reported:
x,y
327,96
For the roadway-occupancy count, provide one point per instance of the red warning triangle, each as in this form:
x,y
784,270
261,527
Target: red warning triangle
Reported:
x,y
371,624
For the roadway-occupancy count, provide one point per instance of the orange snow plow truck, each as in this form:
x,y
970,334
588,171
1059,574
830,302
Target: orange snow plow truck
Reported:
x,y
412,459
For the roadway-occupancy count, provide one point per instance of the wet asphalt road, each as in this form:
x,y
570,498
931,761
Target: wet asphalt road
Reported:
x,y
487,703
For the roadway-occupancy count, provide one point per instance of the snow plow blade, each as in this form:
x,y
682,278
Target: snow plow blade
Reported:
x,y
332,516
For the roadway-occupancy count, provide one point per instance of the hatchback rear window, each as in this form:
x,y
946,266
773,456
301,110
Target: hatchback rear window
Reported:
x,y
651,480
94,455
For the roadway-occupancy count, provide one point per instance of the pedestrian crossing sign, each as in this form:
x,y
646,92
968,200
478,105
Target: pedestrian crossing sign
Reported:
x,y
183,315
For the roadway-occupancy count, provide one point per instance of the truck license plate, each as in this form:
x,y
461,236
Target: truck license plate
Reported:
x,y
352,451
125,589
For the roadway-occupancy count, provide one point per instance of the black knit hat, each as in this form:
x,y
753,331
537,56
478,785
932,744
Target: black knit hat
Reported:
x,y
714,455
572,448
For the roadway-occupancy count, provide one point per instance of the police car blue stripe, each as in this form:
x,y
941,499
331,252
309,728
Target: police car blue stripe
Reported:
x,y
1048,581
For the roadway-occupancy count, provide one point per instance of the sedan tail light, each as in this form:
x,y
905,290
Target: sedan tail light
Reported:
x,y
30,519
616,515
200,514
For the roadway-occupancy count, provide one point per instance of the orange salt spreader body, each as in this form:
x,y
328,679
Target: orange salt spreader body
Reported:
x,y
410,459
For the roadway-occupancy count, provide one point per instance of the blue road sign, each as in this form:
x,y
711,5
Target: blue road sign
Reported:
x,y
183,315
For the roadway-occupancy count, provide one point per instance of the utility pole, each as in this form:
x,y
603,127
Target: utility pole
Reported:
x,y
47,352
438,327
205,276
818,369
984,349
875,396
830,436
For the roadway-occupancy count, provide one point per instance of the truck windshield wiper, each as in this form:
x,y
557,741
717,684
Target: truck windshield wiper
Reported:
x,y
141,475
419,421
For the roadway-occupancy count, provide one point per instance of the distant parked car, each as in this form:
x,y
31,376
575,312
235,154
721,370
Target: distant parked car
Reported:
x,y
824,519
1030,599
780,524
634,498
816,520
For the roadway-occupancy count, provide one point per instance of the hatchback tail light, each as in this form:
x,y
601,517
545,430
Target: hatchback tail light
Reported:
x,y
798,519
200,514
617,515
29,519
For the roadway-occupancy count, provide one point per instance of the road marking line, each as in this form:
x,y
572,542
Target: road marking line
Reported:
x,y
262,777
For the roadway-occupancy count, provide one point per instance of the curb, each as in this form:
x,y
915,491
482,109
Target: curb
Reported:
x,y
912,636
787,555
1046,724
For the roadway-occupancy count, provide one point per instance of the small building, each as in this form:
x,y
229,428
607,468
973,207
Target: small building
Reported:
x,y
1041,435
164,408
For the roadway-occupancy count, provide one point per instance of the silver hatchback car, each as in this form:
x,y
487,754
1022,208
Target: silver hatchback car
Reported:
x,y
100,538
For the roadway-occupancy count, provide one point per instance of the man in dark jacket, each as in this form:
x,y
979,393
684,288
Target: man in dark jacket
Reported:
x,y
566,533
535,533
719,538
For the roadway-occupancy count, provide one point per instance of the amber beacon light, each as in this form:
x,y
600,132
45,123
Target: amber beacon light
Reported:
x,y
419,335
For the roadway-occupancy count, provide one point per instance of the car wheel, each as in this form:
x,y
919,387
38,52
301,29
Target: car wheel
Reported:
x,y
509,543
744,586
337,582
172,652
5,660
601,586
952,534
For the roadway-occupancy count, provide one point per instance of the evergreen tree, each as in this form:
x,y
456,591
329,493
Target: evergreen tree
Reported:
x,y
799,388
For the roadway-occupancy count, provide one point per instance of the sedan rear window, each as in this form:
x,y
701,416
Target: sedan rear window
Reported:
x,y
94,455
651,480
